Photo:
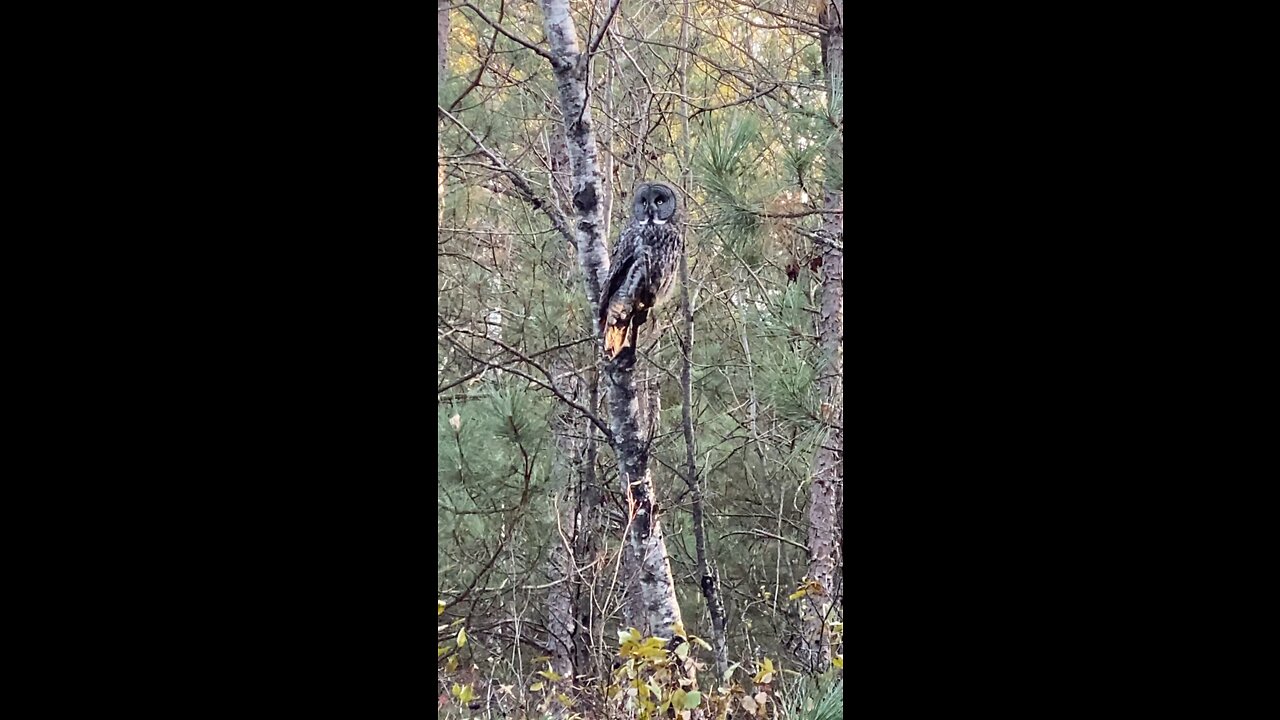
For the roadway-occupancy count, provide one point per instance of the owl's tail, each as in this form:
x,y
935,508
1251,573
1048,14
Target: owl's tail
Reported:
x,y
622,323
615,339
617,322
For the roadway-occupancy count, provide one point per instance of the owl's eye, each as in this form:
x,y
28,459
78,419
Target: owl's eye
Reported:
x,y
659,201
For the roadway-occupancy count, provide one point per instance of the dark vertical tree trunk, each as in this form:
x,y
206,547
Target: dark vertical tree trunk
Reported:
x,y
708,576
590,523
571,615
827,475
562,626
442,48
442,37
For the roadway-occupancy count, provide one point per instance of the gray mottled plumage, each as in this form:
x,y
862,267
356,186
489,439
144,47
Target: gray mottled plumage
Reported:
x,y
645,262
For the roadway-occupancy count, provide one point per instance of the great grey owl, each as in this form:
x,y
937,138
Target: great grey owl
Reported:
x,y
645,262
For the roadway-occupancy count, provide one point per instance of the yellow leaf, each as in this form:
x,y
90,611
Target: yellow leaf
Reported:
x,y
452,664
550,674
838,661
464,693
678,629
564,700
536,686
462,638
765,675
798,594
440,606
702,643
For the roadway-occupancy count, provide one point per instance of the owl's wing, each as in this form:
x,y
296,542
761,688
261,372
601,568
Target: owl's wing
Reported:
x,y
624,256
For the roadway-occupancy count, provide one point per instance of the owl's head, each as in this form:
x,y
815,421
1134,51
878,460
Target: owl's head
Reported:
x,y
656,202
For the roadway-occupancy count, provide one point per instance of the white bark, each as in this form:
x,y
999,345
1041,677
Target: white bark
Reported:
x,y
569,66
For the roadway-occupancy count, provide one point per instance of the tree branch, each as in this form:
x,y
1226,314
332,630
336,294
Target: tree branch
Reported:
x,y
523,189
504,31
591,48
549,384
747,99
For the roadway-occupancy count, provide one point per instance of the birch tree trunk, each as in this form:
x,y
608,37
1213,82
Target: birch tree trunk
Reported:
x,y
569,66
828,478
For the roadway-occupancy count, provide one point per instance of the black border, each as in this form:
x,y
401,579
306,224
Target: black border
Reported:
x,y
269,340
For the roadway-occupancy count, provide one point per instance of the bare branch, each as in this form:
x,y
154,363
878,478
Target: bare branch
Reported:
x,y
747,99
504,31
549,384
518,180
591,48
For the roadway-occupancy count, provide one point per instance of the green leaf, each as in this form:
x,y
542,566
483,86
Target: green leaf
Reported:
x,y
692,699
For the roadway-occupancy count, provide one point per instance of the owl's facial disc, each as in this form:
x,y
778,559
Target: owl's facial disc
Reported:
x,y
654,203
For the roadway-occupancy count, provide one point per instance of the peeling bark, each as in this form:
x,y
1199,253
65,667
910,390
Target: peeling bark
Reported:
x,y
656,605
827,485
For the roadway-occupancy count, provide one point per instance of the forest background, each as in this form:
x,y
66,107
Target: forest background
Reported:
x,y
549,605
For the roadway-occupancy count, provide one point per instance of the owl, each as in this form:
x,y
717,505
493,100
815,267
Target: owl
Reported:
x,y
645,262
